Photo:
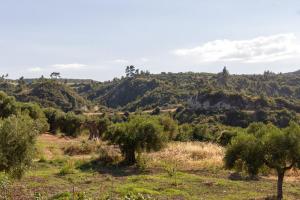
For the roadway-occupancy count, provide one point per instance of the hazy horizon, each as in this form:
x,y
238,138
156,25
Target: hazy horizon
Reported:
x,y
96,39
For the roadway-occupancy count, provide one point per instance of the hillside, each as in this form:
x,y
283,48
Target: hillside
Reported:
x,y
170,89
47,93
145,91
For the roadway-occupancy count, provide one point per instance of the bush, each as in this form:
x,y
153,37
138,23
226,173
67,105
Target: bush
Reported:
x,y
54,118
7,105
142,162
71,124
201,133
185,133
68,168
225,137
83,148
36,113
170,126
17,136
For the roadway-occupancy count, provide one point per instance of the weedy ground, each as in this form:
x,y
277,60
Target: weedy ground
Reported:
x,y
191,170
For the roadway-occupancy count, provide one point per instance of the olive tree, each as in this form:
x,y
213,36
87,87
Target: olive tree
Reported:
x,y
17,139
97,126
137,135
36,113
54,117
7,105
278,149
71,124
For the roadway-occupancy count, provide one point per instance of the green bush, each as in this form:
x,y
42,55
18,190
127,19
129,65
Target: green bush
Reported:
x,y
185,133
17,136
37,114
169,125
71,124
225,137
68,168
8,105
54,118
201,133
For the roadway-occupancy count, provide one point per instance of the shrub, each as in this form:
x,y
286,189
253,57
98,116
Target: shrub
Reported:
x,y
68,168
170,126
185,133
142,162
7,105
201,133
82,148
225,137
36,113
71,124
54,118
17,136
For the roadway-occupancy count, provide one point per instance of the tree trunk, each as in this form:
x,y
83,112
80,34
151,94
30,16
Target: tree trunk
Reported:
x,y
279,185
130,157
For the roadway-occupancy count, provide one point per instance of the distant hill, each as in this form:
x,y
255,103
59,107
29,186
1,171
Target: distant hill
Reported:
x,y
47,93
145,91
170,89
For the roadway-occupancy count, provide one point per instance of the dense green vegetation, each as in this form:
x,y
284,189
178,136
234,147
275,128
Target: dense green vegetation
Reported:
x,y
47,93
253,118
145,90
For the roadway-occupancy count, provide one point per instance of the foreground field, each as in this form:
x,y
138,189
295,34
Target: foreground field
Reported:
x,y
65,167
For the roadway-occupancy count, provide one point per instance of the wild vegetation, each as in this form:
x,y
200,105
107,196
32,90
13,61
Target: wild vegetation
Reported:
x,y
151,136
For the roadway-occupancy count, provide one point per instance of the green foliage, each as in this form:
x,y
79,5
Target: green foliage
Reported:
x,y
142,162
247,148
37,114
185,133
17,136
140,133
7,105
201,133
68,168
170,127
51,93
71,124
226,137
55,119
279,149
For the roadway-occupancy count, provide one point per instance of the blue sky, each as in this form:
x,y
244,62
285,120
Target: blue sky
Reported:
x,y
98,38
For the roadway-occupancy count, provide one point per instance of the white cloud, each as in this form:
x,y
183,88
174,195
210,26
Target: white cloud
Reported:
x,y
256,50
35,69
70,66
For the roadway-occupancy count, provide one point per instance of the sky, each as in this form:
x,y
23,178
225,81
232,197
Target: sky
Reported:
x,y
97,38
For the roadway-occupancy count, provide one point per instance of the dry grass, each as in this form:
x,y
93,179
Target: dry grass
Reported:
x,y
189,155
